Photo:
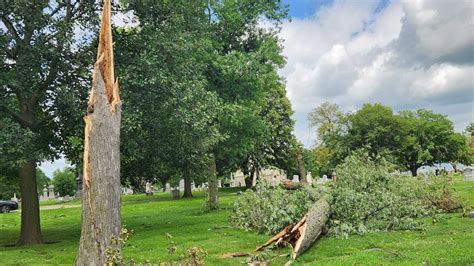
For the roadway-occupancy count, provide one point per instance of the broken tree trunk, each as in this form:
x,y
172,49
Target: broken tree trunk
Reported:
x,y
302,235
101,179
301,167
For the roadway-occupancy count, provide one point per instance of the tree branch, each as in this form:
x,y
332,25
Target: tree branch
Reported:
x,y
15,116
11,28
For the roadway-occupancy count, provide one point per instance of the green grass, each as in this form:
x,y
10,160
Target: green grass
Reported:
x,y
449,241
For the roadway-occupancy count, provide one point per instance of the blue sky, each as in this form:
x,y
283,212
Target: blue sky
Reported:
x,y
404,54
407,55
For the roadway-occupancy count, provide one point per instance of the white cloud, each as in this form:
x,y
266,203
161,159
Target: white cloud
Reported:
x,y
413,54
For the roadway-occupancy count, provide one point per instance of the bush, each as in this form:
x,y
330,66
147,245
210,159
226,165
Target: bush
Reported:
x,y
367,198
269,209
64,182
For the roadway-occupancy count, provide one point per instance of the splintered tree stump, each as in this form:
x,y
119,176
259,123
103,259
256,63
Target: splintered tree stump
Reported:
x,y
302,235
101,177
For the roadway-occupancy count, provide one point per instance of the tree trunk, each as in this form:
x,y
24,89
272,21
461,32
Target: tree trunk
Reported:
x,y
30,232
188,193
301,167
248,180
163,184
213,196
101,223
303,235
414,170
314,226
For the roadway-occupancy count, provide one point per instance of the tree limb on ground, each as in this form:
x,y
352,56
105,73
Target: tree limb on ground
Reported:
x,y
302,235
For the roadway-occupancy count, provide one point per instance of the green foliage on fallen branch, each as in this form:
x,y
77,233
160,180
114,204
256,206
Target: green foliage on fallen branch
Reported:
x,y
269,210
366,197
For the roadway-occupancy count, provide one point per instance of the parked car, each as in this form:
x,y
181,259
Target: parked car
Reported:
x,y
8,205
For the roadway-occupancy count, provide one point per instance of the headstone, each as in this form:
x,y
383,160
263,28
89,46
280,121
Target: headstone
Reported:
x,y
167,187
175,194
45,193
296,178
127,191
78,194
309,178
219,183
14,198
468,173
51,192
324,178
333,176
148,189
181,185
67,197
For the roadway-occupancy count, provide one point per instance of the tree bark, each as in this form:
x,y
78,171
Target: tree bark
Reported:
x,y
301,167
188,193
414,170
30,232
213,195
249,180
303,235
313,227
101,222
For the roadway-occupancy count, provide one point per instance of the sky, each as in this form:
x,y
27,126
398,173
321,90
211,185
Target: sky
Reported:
x,y
404,54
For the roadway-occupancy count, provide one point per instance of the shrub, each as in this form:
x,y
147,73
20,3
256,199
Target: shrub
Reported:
x,y
366,197
269,210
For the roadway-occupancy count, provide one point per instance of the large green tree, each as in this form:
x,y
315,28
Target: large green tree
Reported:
x,y
40,57
169,116
64,182
428,138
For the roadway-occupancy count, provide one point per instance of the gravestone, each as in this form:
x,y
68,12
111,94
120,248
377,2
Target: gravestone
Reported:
x,y
45,193
324,179
67,197
468,173
15,199
181,185
219,183
167,187
78,194
148,189
51,192
309,178
333,176
296,178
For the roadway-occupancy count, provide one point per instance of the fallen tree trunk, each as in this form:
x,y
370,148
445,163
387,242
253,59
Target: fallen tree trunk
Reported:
x,y
290,185
302,235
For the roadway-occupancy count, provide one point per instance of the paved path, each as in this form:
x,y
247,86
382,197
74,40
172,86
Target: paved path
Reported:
x,y
58,206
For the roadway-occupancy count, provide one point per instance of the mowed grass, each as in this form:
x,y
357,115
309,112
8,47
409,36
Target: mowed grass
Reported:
x,y
448,241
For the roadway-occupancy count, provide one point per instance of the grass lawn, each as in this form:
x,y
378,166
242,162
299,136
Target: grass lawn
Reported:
x,y
449,241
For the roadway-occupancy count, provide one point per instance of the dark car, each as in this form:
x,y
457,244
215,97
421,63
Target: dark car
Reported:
x,y
8,205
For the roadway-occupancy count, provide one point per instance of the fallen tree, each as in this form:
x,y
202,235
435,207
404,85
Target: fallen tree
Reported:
x,y
302,235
